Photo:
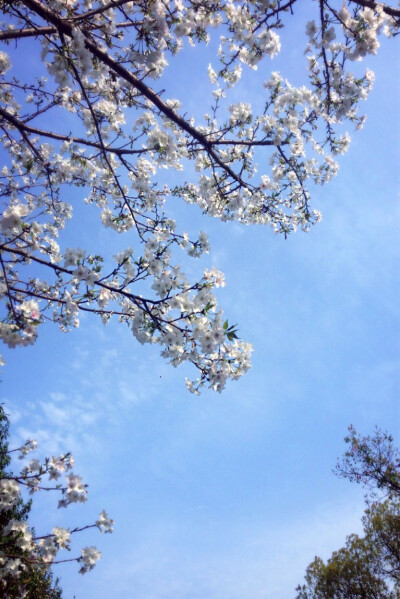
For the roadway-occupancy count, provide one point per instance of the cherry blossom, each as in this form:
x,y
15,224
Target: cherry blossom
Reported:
x,y
99,61
34,548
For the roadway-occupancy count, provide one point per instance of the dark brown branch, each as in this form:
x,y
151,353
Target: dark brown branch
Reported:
x,y
139,301
57,268
35,31
77,529
13,34
116,67
12,307
237,142
58,300
389,10
30,560
96,11
22,126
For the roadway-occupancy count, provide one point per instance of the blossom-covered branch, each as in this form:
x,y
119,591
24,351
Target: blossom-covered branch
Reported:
x,y
21,548
89,118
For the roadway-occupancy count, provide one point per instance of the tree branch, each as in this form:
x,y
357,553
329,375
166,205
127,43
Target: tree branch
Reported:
x,y
12,34
67,29
389,10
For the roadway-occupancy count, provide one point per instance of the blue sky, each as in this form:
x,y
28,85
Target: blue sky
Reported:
x,y
232,495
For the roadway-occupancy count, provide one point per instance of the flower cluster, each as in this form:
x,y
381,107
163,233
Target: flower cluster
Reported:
x,y
20,547
119,136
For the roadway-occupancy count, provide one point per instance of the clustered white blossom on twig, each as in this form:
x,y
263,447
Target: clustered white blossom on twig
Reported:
x,y
112,136
19,546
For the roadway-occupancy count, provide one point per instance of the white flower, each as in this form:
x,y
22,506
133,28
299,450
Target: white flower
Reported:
x,y
212,75
72,257
5,62
29,445
89,557
329,36
9,493
12,217
216,275
34,466
104,523
240,113
30,309
311,29
62,536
